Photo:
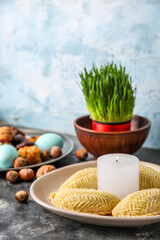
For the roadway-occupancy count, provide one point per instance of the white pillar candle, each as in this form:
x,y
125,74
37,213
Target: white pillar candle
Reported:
x,y
118,174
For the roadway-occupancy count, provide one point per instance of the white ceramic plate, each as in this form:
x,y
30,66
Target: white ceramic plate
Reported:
x,y
40,191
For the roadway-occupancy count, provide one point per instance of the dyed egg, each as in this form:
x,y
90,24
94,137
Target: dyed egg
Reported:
x,y
7,155
48,140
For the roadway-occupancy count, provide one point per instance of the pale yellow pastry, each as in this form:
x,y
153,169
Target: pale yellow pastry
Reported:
x,y
86,178
141,203
148,178
84,200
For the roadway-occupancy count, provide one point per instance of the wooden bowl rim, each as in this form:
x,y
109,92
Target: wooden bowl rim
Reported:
x,y
147,126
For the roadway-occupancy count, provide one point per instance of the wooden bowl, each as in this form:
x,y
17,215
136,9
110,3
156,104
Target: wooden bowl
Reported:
x,y
100,143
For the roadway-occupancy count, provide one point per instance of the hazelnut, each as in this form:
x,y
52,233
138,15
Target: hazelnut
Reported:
x,y
82,154
26,174
44,155
12,176
55,151
20,162
21,196
44,169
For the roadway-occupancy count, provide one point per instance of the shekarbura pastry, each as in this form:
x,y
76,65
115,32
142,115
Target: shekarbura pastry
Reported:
x,y
141,203
148,178
85,200
86,178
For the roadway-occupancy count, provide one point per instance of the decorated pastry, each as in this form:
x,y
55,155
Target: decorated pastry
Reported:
x,y
6,134
31,153
148,178
142,203
86,178
85,200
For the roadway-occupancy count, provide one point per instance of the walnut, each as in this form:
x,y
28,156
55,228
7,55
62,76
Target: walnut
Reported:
x,y
44,169
6,133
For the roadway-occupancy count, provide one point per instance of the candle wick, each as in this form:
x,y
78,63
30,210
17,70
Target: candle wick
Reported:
x,y
117,159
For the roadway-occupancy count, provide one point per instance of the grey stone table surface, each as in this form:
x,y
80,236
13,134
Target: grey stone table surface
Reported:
x,y
31,221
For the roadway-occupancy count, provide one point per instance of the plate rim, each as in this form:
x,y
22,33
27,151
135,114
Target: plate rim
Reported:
x,y
59,211
51,160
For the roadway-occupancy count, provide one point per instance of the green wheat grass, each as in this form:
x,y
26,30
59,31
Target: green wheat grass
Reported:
x,y
108,92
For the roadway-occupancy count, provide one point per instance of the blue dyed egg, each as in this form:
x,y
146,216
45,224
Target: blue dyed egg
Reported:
x,y
7,155
48,140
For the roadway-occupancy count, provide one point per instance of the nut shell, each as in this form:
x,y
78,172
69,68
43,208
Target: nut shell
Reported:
x,y
21,196
45,155
44,169
12,176
20,162
82,154
26,174
55,151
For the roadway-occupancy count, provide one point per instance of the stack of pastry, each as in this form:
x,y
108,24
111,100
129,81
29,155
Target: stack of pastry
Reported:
x,y
79,193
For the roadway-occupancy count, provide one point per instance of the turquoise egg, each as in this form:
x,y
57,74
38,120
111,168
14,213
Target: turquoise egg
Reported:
x,y
7,155
48,140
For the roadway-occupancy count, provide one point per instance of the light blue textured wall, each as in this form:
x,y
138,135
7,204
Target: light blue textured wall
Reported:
x,y
44,44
